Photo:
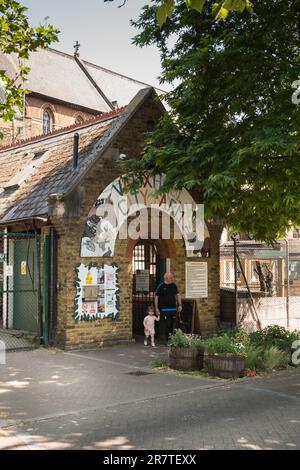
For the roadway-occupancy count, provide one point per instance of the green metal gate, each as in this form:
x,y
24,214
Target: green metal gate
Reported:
x,y
20,294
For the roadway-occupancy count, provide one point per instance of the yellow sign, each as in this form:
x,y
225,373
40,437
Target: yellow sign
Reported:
x,y
89,279
23,268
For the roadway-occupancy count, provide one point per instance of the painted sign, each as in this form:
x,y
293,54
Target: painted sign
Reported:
x,y
142,277
196,280
89,309
23,268
97,293
9,270
115,205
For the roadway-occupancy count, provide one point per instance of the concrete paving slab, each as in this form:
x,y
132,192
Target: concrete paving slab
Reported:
x,y
90,400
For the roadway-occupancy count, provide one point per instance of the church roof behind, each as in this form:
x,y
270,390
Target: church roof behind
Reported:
x,y
58,75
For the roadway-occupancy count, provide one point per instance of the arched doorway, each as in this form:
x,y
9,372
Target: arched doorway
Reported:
x,y
148,270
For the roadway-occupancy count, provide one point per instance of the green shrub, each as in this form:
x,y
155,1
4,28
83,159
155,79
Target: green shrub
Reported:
x,y
240,335
254,358
178,339
223,344
274,335
273,357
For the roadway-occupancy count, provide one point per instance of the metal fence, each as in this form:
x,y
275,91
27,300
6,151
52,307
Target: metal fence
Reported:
x,y
260,284
20,296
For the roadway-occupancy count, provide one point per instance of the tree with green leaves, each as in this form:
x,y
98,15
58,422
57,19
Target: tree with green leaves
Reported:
x,y
220,10
232,134
18,37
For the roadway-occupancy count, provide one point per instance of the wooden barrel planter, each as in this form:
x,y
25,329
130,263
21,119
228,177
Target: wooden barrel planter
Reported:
x,y
186,358
225,365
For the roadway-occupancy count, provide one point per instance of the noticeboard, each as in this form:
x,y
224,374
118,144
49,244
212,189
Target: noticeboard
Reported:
x,y
97,293
142,280
196,279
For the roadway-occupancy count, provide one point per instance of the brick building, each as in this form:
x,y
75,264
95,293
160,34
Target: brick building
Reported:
x,y
67,275
63,90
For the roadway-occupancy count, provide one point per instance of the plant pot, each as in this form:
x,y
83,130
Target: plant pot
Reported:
x,y
186,358
226,366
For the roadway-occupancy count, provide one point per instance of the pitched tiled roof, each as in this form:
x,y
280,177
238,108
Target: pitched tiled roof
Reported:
x,y
86,122
57,75
32,171
116,87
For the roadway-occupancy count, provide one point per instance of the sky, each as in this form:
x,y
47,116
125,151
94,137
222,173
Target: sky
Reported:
x,y
104,32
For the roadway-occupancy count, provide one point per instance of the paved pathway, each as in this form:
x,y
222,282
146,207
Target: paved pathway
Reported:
x,y
111,399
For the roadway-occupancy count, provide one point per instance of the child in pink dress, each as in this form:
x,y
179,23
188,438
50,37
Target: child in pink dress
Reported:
x,y
148,323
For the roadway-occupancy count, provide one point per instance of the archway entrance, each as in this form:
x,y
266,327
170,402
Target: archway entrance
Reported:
x,y
148,270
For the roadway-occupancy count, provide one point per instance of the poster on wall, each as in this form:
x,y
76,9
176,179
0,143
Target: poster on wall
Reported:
x,y
196,280
97,294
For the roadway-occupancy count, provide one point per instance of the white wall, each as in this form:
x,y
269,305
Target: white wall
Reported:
x,y
271,311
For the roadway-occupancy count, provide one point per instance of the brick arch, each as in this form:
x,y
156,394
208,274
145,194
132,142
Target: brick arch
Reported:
x,y
166,248
109,202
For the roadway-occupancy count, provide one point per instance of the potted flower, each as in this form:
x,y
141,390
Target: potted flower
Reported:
x,y
186,351
225,356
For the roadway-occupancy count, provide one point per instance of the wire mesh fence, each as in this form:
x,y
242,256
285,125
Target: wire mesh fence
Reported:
x,y
260,284
19,286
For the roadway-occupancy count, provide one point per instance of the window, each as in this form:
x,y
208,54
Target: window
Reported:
x,y
267,267
229,272
296,233
145,256
294,269
47,122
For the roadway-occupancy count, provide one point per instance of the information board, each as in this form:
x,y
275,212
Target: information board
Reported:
x,y
196,279
142,282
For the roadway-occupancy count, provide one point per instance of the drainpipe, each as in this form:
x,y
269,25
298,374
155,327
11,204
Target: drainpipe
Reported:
x,y
75,150
287,262
47,267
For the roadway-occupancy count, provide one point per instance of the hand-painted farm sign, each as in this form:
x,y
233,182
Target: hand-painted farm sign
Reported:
x,y
110,214
97,294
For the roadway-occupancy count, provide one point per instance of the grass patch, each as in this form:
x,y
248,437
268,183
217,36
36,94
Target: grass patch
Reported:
x,y
159,363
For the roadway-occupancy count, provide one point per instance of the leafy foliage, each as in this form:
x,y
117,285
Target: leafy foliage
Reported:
x,y
232,135
274,357
274,335
18,37
178,339
220,10
253,358
224,344
267,349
